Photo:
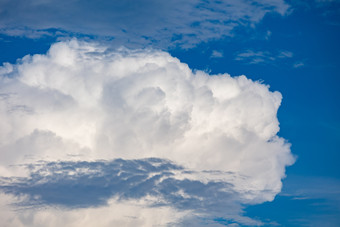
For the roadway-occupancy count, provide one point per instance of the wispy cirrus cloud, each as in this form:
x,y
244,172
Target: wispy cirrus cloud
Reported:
x,y
136,23
216,54
262,57
298,64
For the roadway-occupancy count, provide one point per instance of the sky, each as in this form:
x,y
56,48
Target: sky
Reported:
x,y
169,113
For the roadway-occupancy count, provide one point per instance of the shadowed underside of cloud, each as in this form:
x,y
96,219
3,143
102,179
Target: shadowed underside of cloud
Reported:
x,y
211,138
92,183
88,184
135,23
81,185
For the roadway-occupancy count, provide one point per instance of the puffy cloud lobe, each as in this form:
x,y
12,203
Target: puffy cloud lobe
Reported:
x,y
84,101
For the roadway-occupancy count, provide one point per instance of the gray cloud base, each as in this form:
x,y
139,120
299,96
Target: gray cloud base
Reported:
x,y
86,184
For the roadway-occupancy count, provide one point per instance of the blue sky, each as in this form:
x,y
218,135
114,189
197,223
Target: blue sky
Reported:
x,y
126,113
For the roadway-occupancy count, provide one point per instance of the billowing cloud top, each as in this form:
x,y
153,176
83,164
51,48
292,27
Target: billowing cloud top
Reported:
x,y
83,102
135,23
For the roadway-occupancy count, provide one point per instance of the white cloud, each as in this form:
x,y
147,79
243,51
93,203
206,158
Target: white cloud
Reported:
x,y
134,23
116,213
83,101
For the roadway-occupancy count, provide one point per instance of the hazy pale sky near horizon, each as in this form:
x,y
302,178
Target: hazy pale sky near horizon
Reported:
x,y
169,113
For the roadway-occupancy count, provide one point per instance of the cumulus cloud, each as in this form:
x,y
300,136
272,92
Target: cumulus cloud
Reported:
x,y
134,23
84,102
